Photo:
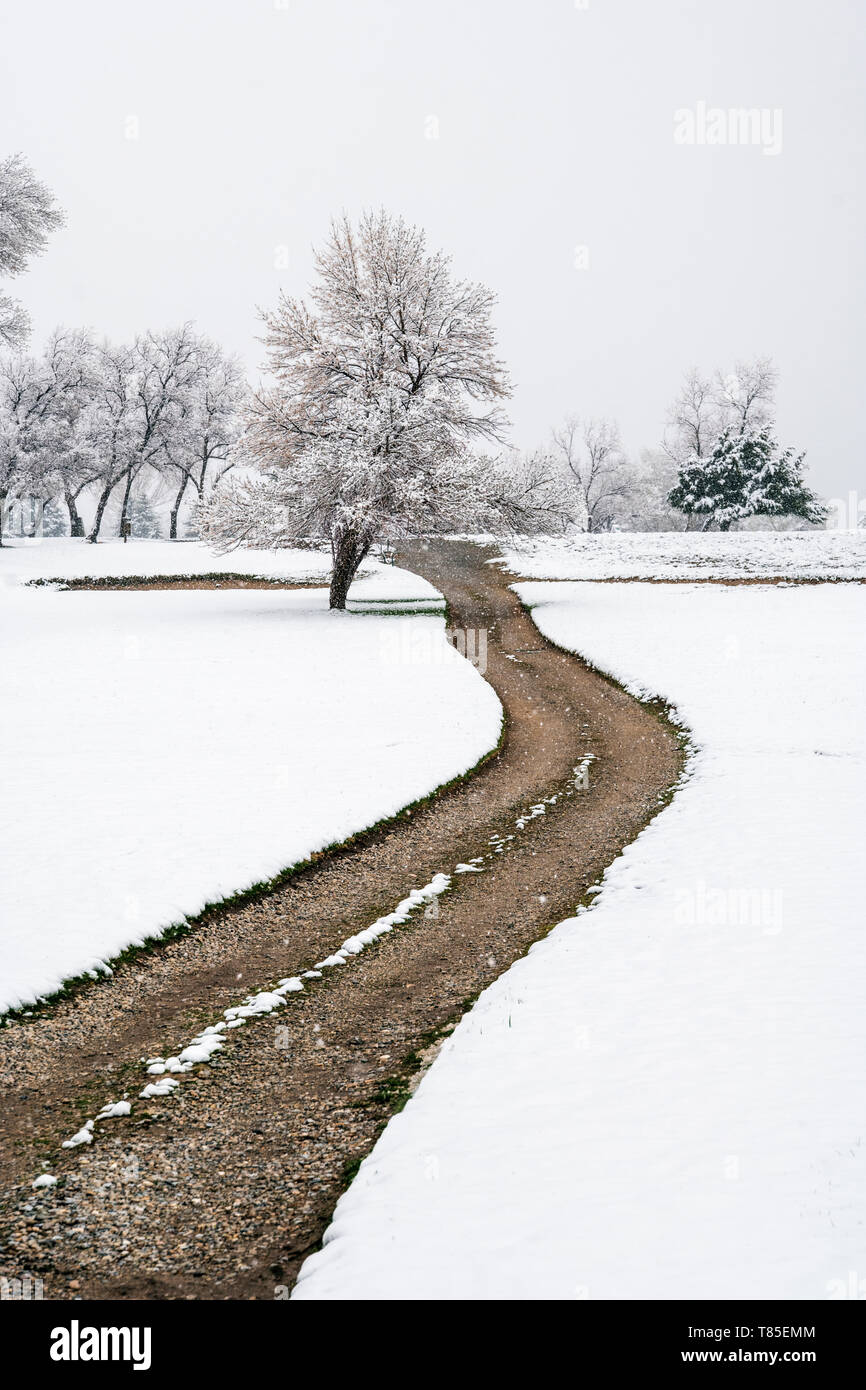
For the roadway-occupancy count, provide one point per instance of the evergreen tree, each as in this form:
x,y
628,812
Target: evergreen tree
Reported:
x,y
745,475
143,518
54,523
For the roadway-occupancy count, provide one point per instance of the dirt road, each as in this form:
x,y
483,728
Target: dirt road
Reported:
x,y
221,1189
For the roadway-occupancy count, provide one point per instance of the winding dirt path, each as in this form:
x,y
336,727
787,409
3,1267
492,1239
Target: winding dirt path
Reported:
x,y
221,1189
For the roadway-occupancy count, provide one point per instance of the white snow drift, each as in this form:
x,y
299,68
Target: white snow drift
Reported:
x,y
664,1098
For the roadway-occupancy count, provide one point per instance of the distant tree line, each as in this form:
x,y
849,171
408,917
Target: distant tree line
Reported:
x,y
380,389
718,465
102,421
105,422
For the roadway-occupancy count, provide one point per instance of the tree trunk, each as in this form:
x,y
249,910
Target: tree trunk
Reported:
x,y
172,529
127,490
349,549
33,524
76,525
100,509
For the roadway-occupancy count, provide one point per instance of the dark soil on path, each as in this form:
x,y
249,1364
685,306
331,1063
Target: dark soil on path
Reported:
x,y
221,1189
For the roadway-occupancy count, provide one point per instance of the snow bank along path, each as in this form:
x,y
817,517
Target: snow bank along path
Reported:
x,y
166,750
664,1098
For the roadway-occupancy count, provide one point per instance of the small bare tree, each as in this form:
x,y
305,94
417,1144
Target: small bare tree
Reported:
x,y
203,445
595,462
745,398
740,401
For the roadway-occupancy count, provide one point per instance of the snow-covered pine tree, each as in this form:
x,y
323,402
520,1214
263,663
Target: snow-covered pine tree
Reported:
x,y
143,518
743,476
54,523
192,525
379,387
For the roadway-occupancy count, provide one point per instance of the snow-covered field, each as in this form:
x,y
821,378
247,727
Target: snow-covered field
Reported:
x,y
22,561
692,555
166,749
664,1099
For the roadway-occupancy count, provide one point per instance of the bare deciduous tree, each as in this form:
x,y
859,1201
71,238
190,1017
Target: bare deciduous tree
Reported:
x,y
202,446
69,466
745,398
41,400
141,394
741,400
595,461
82,416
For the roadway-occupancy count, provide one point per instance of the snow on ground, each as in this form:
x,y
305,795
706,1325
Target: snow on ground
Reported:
x,y
164,749
21,562
664,1099
391,589
62,558
692,555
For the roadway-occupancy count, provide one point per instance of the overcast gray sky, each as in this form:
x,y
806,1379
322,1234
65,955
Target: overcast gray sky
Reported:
x,y
200,147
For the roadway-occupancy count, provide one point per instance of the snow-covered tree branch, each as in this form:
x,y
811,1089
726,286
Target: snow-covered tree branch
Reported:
x,y
28,215
379,387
